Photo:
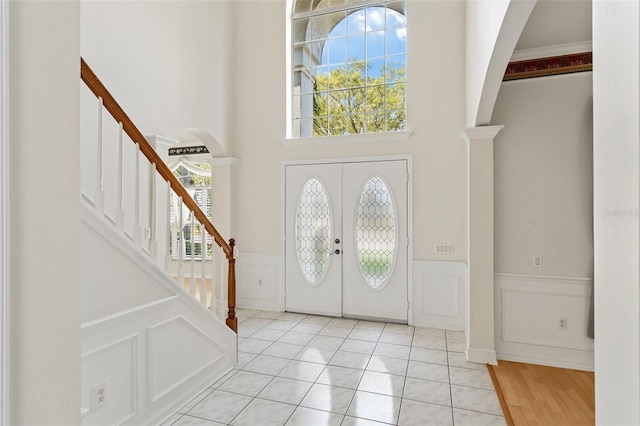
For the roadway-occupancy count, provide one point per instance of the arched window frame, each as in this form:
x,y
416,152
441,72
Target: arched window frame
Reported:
x,y
295,137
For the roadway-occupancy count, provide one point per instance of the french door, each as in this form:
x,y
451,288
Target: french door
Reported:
x,y
346,239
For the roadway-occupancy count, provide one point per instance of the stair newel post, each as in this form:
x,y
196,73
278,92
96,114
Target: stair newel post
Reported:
x,y
137,229
181,243
153,243
99,196
232,321
120,210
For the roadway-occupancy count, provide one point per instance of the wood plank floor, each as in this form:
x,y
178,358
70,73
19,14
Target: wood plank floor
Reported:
x,y
539,395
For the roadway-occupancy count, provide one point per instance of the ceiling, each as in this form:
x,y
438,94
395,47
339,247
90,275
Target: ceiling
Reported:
x,y
556,22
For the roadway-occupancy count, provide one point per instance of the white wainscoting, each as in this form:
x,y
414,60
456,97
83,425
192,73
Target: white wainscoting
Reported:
x,y
527,313
439,294
156,353
259,282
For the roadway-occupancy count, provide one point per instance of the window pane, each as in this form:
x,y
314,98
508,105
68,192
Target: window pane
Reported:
x,y
376,98
356,22
376,232
396,41
336,52
313,231
396,120
375,17
375,44
355,48
303,6
375,70
396,69
322,78
299,30
335,24
357,63
396,14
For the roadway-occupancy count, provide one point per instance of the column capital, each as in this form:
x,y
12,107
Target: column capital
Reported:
x,y
480,133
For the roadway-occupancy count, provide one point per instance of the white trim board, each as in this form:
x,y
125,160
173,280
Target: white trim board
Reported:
x,y
4,213
527,313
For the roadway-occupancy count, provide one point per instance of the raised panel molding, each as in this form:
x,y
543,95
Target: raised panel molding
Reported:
x,y
528,308
178,351
115,362
439,294
260,283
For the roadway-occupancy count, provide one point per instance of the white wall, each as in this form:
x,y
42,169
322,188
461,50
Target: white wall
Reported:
x,y
543,176
166,63
45,216
543,205
616,136
435,39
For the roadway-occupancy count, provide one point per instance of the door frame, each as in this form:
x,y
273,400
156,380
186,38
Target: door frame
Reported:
x,y
340,160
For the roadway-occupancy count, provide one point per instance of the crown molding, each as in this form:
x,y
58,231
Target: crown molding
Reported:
x,y
549,51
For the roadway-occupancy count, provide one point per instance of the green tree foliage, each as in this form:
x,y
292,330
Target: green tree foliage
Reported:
x,y
351,100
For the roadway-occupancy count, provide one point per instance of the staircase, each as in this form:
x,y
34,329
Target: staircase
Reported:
x,y
149,343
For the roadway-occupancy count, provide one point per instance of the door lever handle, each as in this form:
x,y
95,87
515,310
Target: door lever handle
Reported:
x,y
337,251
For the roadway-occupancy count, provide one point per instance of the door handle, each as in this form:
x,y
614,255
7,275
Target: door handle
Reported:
x,y
337,251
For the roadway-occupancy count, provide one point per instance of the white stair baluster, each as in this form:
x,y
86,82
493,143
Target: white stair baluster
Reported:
x,y
203,261
137,230
120,208
181,245
153,242
193,255
167,256
99,196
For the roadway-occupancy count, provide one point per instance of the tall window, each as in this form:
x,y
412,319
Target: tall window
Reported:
x,y
349,67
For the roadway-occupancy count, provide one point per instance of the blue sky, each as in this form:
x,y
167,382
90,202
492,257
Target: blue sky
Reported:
x,y
364,31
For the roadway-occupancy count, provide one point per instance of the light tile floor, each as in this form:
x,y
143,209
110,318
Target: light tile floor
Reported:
x,y
310,370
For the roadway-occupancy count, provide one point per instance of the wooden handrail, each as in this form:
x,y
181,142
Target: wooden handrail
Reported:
x,y
110,104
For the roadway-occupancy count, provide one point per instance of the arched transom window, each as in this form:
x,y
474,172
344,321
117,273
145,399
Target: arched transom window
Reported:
x,y
349,67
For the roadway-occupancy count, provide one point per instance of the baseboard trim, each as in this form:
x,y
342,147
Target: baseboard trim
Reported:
x,y
547,361
481,356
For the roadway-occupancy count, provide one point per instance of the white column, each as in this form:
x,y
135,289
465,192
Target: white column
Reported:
x,y
480,326
45,296
616,216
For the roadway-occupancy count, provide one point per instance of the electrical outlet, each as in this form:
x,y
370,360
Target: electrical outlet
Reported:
x,y
444,248
537,261
562,323
99,395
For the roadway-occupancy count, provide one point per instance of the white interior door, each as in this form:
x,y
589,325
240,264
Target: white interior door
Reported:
x,y
374,225
313,222
346,239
